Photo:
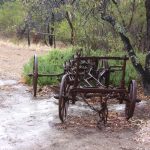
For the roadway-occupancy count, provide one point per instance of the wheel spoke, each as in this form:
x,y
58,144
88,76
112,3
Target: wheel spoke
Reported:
x,y
103,74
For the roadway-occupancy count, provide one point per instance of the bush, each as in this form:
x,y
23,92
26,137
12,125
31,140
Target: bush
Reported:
x,y
53,63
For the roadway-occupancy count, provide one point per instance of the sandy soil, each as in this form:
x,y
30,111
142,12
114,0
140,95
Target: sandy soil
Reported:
x,y
13,57
33,124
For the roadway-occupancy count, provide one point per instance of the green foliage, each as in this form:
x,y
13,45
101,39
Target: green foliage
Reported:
x,y
132,15
93,33
130,70
90,31
62,31
12,14
52,63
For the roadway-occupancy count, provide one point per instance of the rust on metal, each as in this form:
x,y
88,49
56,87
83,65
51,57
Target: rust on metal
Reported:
x,y
84,76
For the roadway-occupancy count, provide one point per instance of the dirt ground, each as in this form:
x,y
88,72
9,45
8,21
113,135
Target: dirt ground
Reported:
x,y
33,124
13,57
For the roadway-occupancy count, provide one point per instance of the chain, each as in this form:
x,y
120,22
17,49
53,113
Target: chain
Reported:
x,y
90,106
103,112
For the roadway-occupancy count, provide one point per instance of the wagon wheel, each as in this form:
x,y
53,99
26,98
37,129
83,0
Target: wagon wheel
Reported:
x,y
35,75
130,104
63,98
104,73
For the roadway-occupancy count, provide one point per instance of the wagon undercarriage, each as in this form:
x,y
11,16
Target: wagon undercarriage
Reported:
x,y
85,78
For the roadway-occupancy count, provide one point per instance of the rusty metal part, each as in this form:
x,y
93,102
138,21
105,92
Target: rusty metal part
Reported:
x,y
104,75
35,75
103,114
102,111
130,104
63,98
90,76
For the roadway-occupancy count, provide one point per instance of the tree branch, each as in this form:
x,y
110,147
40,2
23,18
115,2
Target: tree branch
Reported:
x,y
126,42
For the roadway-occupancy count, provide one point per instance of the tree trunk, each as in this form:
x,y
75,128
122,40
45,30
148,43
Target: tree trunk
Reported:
x,y
69,20
145,73
71,27
51,37
28,36
147,6
146,78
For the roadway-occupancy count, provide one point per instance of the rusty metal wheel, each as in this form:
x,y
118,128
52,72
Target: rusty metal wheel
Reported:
x,y
130,104
63,98
104,72
35,75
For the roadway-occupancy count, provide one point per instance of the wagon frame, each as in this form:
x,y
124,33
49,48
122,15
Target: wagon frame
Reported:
x,y
89,77
71,86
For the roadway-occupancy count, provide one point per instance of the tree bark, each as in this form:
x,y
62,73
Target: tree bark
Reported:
x,y
28,32
71,27
69,20
51,37
146,78
147,6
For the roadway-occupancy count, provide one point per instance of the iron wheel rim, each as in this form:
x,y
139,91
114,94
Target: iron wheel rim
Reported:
x,y
130,104
63,98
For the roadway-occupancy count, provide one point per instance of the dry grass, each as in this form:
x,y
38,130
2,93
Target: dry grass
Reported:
x,y
23,45
14,56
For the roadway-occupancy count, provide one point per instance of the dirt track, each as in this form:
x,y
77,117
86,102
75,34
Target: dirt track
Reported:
x,y
30,124
13,57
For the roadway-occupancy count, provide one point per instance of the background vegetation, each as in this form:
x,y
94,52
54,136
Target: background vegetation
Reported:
x,y
52,63
74,23
12,14
90,31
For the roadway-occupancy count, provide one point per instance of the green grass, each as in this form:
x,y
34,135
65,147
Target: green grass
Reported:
x,y
52,63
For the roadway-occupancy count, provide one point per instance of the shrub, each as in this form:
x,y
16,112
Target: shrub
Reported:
x,y
53,63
